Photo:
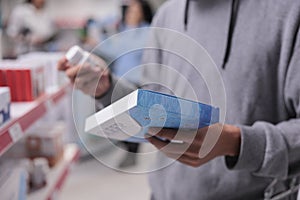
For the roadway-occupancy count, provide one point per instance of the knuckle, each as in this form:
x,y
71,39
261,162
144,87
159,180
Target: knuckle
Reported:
x,y
70,73
195,165
191,154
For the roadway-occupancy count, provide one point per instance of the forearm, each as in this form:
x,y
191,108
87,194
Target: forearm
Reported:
x,y
268,150
232,140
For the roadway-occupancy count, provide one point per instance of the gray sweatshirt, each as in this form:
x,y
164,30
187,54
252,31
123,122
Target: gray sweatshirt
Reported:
x,y
256,47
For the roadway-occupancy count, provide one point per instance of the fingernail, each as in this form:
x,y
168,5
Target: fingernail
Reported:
x,y
147,136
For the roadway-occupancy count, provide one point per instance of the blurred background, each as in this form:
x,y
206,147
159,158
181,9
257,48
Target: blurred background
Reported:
x,y
68,18
44,151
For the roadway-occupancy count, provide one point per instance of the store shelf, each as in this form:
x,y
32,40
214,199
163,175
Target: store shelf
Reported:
x,y
57,175
25,114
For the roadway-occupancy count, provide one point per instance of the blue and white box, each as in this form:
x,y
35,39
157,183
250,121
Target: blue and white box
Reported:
x,y
130,117
13,181
4,104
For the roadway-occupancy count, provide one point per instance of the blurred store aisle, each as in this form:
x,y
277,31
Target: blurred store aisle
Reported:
x,y
92,180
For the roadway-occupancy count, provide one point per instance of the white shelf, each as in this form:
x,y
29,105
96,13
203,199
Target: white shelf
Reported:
x,y
57,175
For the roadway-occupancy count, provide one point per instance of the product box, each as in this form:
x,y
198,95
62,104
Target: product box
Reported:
x,y
4,104
130,117
25,80
46,141
41,140
13,182
53,77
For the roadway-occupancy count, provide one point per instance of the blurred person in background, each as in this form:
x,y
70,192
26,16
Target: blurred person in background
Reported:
x,y
137,14
30,26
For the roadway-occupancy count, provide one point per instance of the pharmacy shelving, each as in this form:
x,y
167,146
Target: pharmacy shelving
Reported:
x,y
57,175
24,114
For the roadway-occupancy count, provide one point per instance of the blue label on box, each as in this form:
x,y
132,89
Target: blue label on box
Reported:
x,y
160,110
5,114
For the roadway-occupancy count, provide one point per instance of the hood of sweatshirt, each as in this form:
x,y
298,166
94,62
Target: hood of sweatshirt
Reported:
x,y
233,17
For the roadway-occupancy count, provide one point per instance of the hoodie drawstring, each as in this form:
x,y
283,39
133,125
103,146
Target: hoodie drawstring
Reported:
x,y
233,16
186,14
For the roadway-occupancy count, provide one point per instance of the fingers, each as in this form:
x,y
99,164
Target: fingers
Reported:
x,y
188,136
63,64
88,86
82,72
185,159
189,157
85,77
186,155
92,81
72,73
174,148
189,160
189,152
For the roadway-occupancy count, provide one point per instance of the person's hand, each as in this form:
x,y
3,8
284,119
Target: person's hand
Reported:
x,y
34,40
92,80
221,141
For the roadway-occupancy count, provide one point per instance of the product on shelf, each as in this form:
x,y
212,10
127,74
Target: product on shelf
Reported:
x,y
39,173
25,80
46,141
42,140
17,151
30,175
53,77
13,181
4,104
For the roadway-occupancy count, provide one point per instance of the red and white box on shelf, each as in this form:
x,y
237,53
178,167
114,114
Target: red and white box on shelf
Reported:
x,y
25,80
4,104
53,77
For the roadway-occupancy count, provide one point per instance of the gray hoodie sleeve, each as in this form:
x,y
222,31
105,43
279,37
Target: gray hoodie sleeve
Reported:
x,y
274,150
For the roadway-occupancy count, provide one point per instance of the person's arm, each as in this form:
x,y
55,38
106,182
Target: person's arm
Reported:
x,y
97,81
265,149
194,146
16,21
105,87
274,150
44,29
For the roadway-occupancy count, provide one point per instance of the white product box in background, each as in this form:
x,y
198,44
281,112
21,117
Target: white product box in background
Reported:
x,y
53,77
53,80
4,104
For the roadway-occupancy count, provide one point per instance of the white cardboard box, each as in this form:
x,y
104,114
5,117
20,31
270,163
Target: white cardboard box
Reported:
x,y
4,104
